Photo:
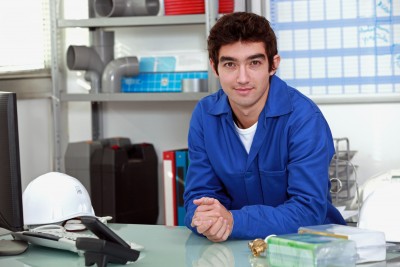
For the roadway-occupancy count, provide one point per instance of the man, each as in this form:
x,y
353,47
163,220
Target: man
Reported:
x,y
259,150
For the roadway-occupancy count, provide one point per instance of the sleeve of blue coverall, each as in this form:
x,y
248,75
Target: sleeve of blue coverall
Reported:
x,y
201,180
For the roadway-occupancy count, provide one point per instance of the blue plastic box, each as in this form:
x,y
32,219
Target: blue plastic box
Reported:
x,y
159,82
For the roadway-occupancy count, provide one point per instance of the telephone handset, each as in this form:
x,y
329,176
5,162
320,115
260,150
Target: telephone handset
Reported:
x,y
108,248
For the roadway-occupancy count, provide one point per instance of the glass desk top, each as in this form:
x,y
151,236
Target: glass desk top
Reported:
x,y
164,246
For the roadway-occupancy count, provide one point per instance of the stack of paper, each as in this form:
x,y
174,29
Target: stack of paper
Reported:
x,y
370,244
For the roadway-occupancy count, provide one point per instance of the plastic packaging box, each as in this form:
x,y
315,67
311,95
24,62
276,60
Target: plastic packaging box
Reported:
x,y
370,244
310,250
159,82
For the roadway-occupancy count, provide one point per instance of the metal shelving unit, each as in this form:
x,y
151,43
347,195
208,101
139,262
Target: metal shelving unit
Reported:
x,y
110,97
141,21
342,172
60,96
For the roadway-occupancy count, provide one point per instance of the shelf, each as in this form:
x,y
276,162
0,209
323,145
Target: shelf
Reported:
x,y
116,97
133,21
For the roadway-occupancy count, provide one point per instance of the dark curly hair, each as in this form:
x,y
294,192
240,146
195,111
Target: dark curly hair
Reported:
x,y
243,27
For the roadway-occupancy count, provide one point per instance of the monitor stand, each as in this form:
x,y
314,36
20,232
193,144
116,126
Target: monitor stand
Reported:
x,y
12,247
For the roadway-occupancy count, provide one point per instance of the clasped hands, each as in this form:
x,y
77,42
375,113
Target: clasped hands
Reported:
x,y
212,219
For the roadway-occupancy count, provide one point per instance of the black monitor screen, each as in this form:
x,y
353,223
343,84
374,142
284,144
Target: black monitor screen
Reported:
x,y
11,215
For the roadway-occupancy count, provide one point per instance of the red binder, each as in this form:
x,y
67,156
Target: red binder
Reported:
x,y
169,174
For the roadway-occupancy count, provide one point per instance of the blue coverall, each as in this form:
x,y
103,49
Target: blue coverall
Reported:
x,y
282,184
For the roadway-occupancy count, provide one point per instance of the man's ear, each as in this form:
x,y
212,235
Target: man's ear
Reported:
x,y
214,68
276,61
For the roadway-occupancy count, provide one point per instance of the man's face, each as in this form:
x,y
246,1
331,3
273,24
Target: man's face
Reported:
x,y
244,74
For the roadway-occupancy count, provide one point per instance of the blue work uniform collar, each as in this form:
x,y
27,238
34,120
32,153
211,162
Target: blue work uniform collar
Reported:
x,y
278,102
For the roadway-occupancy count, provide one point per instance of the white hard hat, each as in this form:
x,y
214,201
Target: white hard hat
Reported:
x,y
55,197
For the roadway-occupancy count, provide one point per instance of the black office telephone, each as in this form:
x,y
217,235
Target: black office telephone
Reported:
x,y
108,248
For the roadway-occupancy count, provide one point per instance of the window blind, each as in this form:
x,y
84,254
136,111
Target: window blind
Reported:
x,y
25,30
341,47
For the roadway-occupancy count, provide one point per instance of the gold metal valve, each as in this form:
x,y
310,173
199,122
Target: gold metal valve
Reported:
x,y
257,246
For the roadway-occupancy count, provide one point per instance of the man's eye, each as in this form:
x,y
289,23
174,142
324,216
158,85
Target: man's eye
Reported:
x,y
229,64
255,63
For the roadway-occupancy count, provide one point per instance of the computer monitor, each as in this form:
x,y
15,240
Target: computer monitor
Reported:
x,y
11,213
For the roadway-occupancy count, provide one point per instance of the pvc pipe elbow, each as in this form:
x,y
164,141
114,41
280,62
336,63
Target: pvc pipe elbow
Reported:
x,y
115,70
84,58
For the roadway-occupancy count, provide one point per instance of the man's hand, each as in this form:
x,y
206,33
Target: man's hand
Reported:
x,y
212,219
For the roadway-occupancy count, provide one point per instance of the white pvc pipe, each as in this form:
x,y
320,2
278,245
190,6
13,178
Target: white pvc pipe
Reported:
x,y
123,8
115,70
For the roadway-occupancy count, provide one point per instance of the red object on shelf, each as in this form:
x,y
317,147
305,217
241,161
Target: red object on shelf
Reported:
x,y
185,7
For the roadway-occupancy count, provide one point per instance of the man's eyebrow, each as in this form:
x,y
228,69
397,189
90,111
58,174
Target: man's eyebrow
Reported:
x,y
224,58
255,56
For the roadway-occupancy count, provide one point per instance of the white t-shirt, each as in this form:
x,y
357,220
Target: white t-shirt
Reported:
x,y
247,135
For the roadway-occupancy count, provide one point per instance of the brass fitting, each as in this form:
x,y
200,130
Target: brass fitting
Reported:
x,y
257,246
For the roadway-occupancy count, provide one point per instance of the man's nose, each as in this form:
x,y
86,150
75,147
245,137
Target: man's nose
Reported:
x,y
242,75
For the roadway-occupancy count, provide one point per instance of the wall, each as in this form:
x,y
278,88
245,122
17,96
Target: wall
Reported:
x,y
35,138
373,131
